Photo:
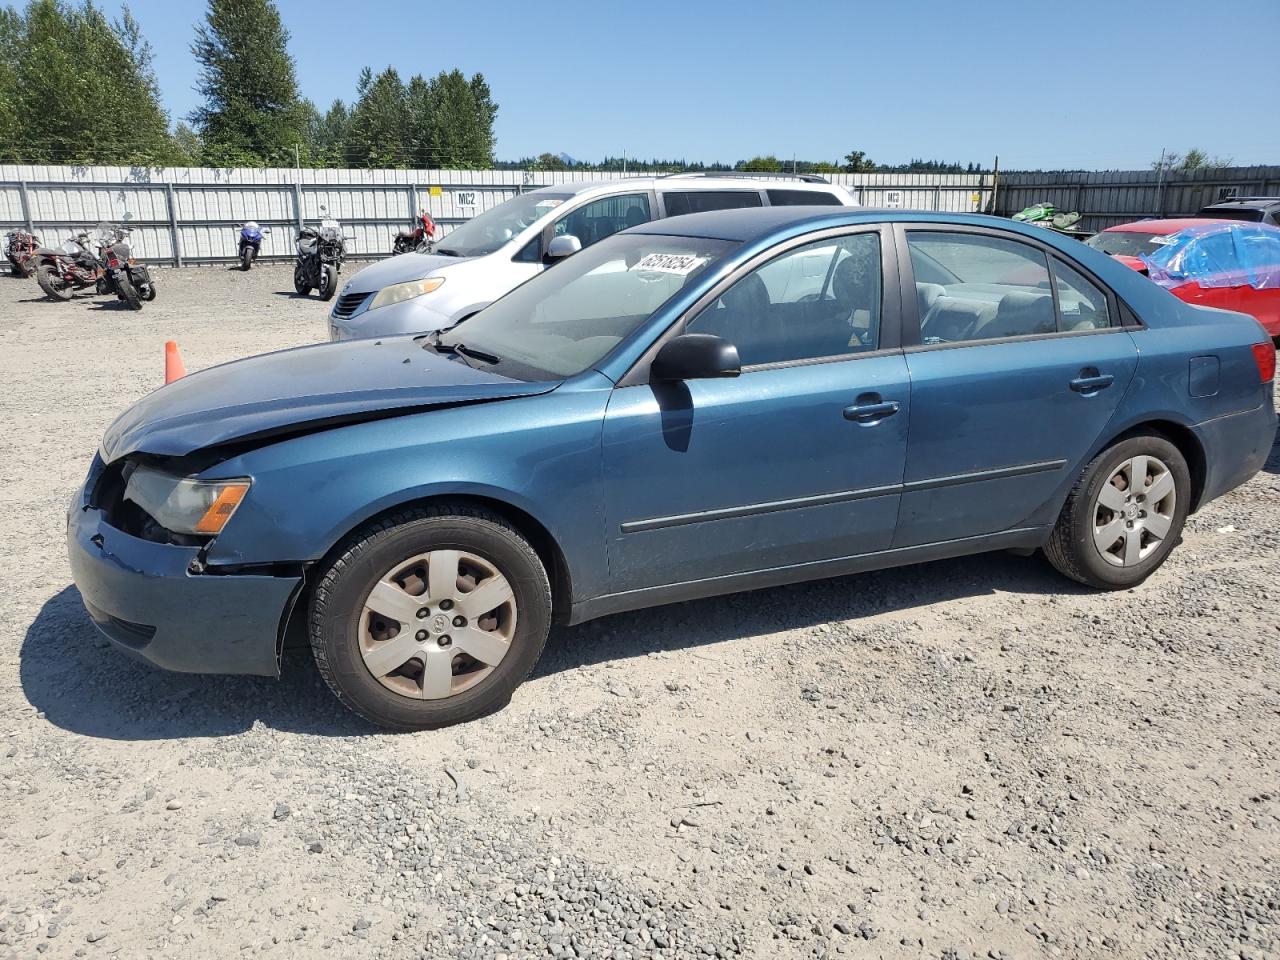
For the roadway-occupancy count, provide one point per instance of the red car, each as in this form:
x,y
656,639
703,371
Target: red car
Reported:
x,y
1212,263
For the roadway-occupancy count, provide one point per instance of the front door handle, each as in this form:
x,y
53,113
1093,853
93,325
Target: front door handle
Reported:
x,y
868,410
1093,383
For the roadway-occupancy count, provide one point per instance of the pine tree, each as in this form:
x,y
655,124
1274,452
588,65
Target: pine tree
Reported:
x,y
462,113
378,130
251,114
326,135
10,42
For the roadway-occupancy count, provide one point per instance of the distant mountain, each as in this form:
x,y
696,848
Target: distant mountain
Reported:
x,y
567,160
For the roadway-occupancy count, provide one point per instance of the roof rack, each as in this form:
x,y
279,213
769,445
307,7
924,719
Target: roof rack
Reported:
x,y
750,175
1239,199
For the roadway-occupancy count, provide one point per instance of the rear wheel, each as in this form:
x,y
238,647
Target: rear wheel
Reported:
x,y
128,293
149,291
1124,515
431,617
51,282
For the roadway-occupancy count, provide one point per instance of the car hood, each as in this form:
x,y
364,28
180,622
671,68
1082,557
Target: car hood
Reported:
x,y
407,266
302,389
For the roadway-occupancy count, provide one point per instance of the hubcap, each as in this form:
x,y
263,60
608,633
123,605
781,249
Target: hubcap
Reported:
x,y
1134,511
437,624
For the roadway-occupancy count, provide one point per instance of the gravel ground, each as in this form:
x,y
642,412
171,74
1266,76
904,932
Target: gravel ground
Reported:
x,y
969,759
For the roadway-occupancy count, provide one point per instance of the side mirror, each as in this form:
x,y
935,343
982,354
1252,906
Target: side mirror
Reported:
x,y
565,245
695,356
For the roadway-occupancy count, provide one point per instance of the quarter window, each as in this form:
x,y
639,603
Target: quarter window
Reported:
x,y
819,300
700,201
1081,305
979,287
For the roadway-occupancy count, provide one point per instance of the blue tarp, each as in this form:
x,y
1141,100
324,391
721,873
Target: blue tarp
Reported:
x,y
1219,255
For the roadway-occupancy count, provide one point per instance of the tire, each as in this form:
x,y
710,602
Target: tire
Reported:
x,y
149,291
343,630
328,282
54,287
1137,546
128,293
246,258
299,281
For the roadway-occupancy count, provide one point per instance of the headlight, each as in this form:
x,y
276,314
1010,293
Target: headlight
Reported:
x,y
399,292
183,505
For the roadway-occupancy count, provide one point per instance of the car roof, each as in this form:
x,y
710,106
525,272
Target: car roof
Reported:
x,y
1244,203
749,223
1163,227
691,182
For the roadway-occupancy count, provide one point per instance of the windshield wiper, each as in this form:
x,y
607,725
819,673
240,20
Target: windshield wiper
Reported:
x,y
446,252
474,354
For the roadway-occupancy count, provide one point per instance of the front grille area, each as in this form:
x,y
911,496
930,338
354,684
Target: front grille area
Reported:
x,y
348,304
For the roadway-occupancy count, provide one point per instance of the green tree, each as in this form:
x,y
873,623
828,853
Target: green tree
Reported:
x,y
455,121
378,130
251,113
11,32
186,145
856,161
108,108
766,164
325,143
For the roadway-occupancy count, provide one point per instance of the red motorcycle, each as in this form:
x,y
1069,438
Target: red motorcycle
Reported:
x,y
417,238
62,270
20,247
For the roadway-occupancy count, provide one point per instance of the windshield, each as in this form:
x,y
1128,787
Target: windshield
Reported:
x,y
570,317
490,230
1128,243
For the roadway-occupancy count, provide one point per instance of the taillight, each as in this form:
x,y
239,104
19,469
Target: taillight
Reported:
x,y
1264,355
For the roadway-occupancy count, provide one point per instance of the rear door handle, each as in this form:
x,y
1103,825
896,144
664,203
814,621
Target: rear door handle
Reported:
x,y
1092,384
872,411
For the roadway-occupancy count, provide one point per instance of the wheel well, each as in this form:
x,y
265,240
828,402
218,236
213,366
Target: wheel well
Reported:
x,y
543,543
1187,445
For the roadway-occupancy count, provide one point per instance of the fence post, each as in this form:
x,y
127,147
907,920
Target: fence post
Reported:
x,y
937,194
413,203
173,225
297,203
26,206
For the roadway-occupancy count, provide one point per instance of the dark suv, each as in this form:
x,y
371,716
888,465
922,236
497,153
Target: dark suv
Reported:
x,y
1249,209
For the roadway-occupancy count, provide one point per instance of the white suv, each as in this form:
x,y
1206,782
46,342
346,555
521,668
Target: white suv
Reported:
x,y
488,256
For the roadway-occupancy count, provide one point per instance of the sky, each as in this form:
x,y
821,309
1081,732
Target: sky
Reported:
x,y
1090,84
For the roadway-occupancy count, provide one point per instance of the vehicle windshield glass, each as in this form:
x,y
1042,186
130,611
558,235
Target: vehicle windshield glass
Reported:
x,y
1243,214
570,317
1127,243
488,231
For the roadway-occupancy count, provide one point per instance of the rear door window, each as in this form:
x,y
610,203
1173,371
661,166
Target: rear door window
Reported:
x,y
679,203
1081,303
803,198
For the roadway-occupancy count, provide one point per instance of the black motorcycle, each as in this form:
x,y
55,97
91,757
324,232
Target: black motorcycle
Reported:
x,y
121,273
321,251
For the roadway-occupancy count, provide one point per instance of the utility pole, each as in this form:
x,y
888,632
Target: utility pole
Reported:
x,y
1160,182
297,162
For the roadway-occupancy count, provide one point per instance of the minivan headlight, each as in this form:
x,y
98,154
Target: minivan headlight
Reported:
x,y
184,505
399,292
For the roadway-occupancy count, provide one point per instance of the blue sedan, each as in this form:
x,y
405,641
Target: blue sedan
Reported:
x,y
699,405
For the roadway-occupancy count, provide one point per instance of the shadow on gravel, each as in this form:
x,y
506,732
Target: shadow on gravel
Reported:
x,y
1273,462
84,685
292,295
700,622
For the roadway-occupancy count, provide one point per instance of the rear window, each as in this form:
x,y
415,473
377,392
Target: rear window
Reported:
x,y
700,201
1244,214
803,198
1127,243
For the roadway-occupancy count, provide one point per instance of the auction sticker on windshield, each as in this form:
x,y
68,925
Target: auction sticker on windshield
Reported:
x,y
681,264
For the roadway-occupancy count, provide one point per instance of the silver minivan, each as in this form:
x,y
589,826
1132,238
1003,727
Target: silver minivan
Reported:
x,y
491,254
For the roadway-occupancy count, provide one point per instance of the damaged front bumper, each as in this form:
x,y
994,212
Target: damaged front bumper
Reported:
x,y
147,599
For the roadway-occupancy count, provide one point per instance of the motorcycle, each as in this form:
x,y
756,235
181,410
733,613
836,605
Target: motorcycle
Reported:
x,y
62,270
20,247
250,243
415,239
120,272
320,254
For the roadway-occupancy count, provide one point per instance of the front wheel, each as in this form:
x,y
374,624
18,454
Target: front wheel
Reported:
x,y
300,282
51,282
1124,515
430,617
128,293
246,257
328,282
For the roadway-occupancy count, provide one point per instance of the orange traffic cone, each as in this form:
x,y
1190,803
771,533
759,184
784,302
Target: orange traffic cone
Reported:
x,y
173,368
